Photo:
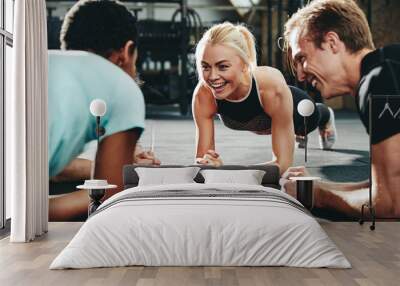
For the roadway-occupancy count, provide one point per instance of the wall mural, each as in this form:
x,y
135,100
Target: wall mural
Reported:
x,y
121,83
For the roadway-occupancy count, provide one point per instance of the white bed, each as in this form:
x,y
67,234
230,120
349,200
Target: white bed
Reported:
x,y
203,225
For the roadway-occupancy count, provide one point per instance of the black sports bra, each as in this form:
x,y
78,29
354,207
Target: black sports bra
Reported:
x,y
245,114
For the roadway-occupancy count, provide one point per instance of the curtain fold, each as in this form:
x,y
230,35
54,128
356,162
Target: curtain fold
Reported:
x,y
26,123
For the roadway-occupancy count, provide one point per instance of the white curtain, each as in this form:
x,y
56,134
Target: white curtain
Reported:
x,y
26,123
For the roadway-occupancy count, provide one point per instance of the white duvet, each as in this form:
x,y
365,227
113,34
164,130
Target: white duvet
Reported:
x,y
207,230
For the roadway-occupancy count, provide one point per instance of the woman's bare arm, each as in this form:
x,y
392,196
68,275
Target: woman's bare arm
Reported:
x,y
204,110
278,104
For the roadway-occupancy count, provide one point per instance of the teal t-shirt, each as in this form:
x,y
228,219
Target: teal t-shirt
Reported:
x,y
75,79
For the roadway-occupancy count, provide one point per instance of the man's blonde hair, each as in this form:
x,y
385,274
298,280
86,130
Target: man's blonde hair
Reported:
x,y
237,37
344,17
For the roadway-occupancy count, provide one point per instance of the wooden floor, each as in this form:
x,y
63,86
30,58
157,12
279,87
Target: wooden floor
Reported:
x,y
374,255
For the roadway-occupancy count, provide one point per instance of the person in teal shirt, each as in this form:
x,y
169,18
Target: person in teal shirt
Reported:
x,y
99,43
75,79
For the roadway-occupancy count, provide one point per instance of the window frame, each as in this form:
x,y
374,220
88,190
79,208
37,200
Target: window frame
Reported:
x,y
6,39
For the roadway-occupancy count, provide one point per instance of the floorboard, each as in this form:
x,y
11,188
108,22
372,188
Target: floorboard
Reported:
x,y
374,255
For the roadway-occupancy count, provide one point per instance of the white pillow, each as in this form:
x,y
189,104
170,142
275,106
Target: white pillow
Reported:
x,y
248,177
164,176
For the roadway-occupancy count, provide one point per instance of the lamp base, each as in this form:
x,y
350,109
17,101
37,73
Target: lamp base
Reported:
x,y
305,193
372,214
95,199
304,190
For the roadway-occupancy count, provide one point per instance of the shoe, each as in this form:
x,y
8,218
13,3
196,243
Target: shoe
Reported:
x,y
328,136
301,142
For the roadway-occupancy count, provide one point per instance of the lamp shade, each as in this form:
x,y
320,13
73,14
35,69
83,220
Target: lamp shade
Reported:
x,y
98,107
305,107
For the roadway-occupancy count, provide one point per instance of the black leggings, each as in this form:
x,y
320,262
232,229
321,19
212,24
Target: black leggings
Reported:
x,y
319,118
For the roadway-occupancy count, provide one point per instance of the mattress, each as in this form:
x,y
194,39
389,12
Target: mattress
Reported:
x,y
201,225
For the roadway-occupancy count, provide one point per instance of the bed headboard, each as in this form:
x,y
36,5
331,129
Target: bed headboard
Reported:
x,y
270,179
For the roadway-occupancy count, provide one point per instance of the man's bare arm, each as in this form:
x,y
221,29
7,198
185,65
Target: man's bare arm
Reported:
x,y
343,198
114,152
77,170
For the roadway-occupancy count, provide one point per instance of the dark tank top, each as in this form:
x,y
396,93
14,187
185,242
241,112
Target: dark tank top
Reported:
x,y
246,114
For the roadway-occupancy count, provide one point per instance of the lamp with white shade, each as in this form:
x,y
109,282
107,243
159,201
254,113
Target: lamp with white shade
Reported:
x,y
305,108
304,185
98,108
96,187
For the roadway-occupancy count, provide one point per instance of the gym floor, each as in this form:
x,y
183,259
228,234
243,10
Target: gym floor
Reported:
x,y
175,144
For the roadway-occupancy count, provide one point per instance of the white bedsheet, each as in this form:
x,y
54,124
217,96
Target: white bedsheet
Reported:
x,y
200,231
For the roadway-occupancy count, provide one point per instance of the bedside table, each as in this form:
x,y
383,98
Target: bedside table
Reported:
x,y
96,191
304,190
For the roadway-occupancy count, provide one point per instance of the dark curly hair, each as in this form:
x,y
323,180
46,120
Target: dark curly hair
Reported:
x,y
99,26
